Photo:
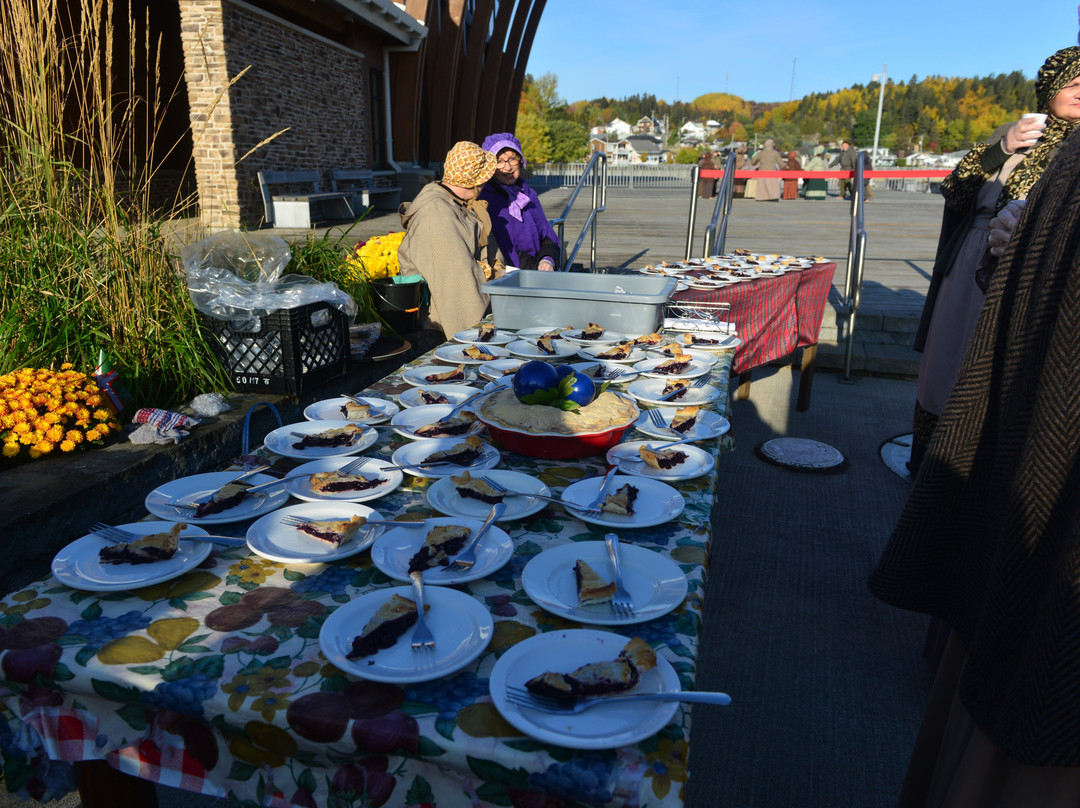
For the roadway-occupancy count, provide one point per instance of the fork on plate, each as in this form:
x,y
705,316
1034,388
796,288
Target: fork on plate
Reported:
x,y
656,417
182,507
422,638
502,489
121,536
548,704
622,602
466,559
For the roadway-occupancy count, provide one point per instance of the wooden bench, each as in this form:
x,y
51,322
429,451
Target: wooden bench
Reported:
x,y
307,203
367,185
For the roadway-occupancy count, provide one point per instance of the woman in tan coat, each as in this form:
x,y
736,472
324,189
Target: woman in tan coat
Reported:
x,y
768,159
447,235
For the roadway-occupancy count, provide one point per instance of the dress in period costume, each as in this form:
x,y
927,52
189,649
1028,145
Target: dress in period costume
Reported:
x,y
989,540
768,159
984,181
791,187
522,230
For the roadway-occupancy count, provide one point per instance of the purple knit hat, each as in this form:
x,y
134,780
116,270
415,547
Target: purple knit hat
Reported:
x,y
504,140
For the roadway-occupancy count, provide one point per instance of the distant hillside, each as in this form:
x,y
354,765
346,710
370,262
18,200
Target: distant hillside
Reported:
x,y
942,114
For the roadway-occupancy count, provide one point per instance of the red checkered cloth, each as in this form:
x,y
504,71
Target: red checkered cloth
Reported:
x,y
164,419
773,316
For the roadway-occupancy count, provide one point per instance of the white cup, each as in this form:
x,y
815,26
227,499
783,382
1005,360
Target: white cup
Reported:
x,y
1034,134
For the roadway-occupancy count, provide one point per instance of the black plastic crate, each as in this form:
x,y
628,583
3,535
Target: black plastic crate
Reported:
x,y
287,354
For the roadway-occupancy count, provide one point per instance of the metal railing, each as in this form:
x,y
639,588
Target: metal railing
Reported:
x,y
597,169
716,231
856,259
634,176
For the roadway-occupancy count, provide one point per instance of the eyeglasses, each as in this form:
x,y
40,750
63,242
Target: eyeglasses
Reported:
x,y
508,162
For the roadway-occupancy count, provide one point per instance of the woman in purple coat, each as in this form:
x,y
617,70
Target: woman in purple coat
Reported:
x,y
525,237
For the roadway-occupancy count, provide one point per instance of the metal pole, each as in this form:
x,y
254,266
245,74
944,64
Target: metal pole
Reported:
x,y
880,102
693,211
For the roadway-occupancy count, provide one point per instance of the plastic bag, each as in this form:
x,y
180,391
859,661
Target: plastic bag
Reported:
x,y
237,276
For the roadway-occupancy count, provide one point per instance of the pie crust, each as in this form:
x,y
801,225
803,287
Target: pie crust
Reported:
x,y
333,531
661,459
433,398
228,496
447,427
469,488
685,418
545,346
485,333
592,331
598,678
144,550
355,411
607,411
458,453
332,482
442,542
453,375
621,502
478,353
389,622
339,436
616,352
591,588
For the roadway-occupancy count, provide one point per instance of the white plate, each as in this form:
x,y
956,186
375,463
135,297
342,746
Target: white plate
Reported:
x,y
393,549
461,624
706,358
494,370
270,538
79,567
708,283
330,410
697,463
655,582
726,341
607,726
470,335
455,393
656,502
628,373
416,452
455,354
607,338
636,355
527,349
407,421
648,391
708,425
443,497
694,369
655,270
417,376
301,486
538,331
281,440
199,487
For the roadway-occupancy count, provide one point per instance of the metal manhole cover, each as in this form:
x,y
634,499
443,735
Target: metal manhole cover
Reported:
x,y
802,454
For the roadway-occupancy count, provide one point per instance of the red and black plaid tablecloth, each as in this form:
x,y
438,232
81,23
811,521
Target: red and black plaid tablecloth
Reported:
x,y
773,316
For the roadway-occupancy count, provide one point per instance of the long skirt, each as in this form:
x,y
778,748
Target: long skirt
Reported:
x,y
791,189
816,189
955,765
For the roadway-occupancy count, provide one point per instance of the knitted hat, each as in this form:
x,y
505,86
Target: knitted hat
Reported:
x,y
504,140
468,166
1057,71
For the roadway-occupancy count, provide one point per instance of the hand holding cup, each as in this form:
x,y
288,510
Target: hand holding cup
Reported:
x,y
1023,134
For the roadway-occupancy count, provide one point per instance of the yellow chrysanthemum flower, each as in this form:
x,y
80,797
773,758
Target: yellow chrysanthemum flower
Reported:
x,y
67,445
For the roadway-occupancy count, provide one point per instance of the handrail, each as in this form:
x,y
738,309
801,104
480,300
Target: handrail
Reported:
x,y
599,204
855,262
724,194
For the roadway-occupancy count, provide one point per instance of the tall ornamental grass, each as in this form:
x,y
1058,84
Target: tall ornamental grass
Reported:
x,y
84,262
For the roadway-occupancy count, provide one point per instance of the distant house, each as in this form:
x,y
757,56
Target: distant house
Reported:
x,y
649,146
617,150
648,125
692,131
619,128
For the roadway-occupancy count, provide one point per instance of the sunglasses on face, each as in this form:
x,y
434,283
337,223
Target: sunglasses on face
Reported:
x,y
508,162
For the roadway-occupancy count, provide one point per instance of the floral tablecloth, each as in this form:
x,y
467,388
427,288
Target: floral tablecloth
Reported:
x,y
214,681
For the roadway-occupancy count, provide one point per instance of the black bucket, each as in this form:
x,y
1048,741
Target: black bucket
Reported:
x,y
399,301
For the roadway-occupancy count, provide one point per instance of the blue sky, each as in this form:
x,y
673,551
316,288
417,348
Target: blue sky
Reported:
x,y
680,50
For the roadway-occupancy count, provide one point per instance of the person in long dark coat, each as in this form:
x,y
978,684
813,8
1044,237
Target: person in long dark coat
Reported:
x,y
989,540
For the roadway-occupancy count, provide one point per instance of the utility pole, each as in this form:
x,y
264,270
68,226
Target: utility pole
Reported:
x,y
880,102
791,94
